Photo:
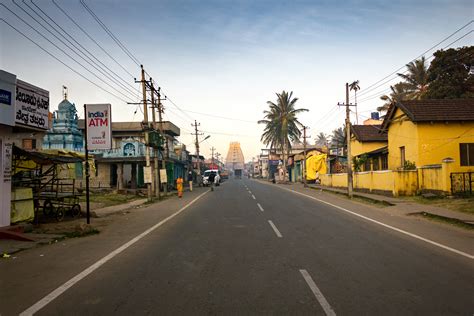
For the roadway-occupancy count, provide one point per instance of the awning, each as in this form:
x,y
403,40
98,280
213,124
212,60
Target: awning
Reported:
x,y
42,158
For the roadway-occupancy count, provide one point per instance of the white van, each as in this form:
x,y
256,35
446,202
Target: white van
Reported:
x,y
205,178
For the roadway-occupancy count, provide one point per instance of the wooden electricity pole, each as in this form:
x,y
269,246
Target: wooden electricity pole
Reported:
x,y
348,141
156,167
196,133
145,121
212,156
163,154
304,155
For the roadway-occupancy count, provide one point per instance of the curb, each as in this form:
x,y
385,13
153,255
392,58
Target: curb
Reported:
x,y
363,197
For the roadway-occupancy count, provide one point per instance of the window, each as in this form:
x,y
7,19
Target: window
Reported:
x,y
467,154
384,162
367,165
402,156
375,163
29,144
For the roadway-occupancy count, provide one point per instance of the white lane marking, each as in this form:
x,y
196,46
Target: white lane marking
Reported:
x,y
317,293
253,197
63,288
260,207
434,243
277,232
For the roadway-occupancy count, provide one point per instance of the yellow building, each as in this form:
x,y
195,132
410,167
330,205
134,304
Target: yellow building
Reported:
x,y
424,132
369,141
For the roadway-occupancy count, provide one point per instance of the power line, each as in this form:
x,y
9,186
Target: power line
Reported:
x,y
369,88
114,38
59,60
382,92
62,50
90,37
81,49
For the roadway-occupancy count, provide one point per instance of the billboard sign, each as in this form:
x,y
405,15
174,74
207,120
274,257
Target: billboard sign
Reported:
x,y
31,106
99,126
7,98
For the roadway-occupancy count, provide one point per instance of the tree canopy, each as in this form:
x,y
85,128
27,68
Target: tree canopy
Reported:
x,y
451,74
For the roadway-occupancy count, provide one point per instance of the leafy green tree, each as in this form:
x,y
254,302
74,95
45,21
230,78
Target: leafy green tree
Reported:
x,y
416,79
452,74
399,92
281,124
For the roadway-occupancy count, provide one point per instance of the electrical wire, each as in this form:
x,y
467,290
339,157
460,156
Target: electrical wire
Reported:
x,y
90,37
59,60
103,68
369,88
62,50
114,38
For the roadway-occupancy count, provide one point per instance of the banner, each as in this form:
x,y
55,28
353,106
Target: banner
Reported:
x,y
31,105
99,126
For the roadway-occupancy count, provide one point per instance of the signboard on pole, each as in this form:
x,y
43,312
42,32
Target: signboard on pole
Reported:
x,y
31,105
147,178
99,126
163,176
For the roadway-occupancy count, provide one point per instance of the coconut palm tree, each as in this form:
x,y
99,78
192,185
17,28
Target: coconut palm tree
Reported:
x,y
321,139
399,92
416,79
339,138
281,124
355,86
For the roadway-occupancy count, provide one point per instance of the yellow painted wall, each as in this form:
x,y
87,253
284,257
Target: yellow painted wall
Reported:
x,y
362,180
396,182
359,148
402,132
383,180
440,140
339,180
406,182
429,178
326,180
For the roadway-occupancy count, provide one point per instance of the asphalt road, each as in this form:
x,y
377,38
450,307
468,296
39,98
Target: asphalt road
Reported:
x,y
253,248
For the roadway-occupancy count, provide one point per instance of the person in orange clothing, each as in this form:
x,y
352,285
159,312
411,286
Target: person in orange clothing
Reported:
x,y
179,186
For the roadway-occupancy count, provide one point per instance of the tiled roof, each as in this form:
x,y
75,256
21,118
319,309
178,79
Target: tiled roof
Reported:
x,y
438,110
369,133
434,110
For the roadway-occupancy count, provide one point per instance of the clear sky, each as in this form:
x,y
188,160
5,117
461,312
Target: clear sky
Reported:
x,y
227,58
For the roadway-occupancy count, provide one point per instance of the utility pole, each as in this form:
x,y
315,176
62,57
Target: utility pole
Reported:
x,y
156,168
212,156
196,133
164,154
348,141
145,120
304,153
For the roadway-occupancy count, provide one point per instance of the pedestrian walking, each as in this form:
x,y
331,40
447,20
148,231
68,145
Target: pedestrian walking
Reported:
x,y
179,186
190,181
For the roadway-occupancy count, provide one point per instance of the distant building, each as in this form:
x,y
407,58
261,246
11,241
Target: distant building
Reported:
x,y
235,157
64,132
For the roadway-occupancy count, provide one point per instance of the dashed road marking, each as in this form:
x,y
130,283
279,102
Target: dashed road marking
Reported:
x,y
277,232
253,197
260,207
317,293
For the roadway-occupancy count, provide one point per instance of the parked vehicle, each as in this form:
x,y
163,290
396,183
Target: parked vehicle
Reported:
x,y
205,178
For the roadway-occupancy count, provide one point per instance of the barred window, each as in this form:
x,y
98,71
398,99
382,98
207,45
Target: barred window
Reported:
x,y
466,151
384,162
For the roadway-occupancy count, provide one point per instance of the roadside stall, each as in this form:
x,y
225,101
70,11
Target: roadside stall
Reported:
x,y
43,185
